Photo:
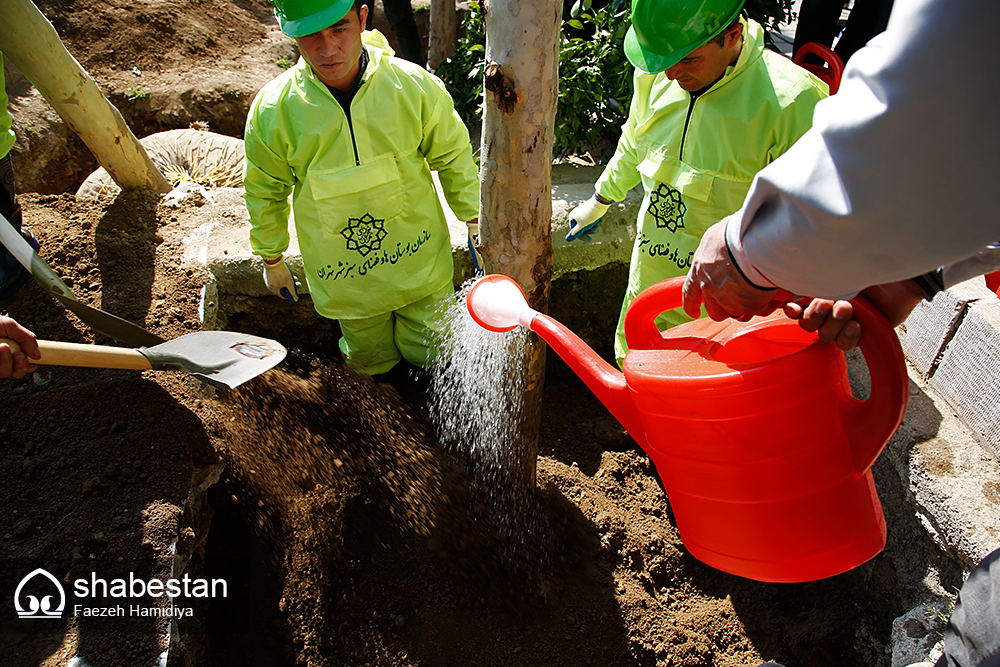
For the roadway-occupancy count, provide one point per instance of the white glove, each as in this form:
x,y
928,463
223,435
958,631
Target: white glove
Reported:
x,y
586,219
477,259
280,281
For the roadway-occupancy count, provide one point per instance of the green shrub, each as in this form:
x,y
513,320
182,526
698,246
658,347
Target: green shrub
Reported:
x,y
595,77
462,73
769,13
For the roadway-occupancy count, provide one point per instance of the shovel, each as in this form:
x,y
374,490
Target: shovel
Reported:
x,y
98,320
220,358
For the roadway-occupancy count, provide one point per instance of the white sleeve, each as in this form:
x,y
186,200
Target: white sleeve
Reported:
x,y
985,261
899,173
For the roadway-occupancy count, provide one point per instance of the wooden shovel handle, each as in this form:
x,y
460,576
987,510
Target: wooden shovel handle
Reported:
x,y
55,353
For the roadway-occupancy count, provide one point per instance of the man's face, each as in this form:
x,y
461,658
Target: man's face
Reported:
x,y
703,66
334,53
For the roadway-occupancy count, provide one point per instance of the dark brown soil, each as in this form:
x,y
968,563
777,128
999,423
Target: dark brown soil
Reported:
x,y
347,534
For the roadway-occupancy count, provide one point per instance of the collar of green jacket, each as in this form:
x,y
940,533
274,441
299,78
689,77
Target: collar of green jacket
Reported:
x,y
753,49
374,43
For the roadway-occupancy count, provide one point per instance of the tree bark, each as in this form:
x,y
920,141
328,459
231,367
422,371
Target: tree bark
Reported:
x,y
521,82
31,43
443,29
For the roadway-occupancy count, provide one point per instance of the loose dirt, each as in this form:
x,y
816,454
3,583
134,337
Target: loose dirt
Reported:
x,y
346,533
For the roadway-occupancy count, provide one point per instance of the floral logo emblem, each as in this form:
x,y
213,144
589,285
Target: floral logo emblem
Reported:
x,y
364,234
667,207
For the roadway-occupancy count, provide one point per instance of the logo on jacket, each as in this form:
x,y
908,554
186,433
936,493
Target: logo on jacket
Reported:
x,y
364,234
667,207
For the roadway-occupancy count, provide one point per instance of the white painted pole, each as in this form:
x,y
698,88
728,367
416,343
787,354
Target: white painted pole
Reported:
x,y
32,44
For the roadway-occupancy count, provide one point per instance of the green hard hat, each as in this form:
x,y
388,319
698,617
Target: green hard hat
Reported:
x,y
663,32
299,18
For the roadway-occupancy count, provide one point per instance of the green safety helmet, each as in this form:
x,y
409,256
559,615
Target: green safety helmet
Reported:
x,y
299,18
664,32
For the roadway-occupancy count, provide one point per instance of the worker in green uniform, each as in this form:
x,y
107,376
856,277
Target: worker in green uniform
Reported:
x,y
352,134
711,107
12,274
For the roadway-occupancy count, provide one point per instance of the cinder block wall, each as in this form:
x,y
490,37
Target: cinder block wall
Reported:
x,y
954,342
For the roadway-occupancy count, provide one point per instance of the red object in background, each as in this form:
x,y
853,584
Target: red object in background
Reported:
x,y
993,282
830,73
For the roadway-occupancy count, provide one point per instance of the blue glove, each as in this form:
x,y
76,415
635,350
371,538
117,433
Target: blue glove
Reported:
x,y
477,259
586,219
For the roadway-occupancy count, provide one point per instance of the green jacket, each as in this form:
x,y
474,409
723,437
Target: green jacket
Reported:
x,y
371,229
697,157
7,137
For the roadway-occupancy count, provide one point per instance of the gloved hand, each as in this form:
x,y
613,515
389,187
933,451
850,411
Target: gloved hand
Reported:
x,y
280,281
586,219
477,259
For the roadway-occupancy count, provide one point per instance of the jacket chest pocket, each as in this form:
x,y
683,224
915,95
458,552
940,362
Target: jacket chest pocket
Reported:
x,y
368,195
694,183
711,193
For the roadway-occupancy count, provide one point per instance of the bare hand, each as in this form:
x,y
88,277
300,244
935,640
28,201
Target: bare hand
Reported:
x,y
16,365
834,319
716,280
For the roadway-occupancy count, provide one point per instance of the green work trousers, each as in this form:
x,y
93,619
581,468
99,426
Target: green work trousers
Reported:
x,y
375,344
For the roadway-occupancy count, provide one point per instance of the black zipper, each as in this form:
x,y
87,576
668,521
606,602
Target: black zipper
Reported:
x,y
694,98
687,119
350,125
339,97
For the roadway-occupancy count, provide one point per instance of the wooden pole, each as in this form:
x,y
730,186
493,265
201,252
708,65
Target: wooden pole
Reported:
x,y
521,92
31,43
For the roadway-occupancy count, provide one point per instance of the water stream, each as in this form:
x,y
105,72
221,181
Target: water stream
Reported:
x,y
475,403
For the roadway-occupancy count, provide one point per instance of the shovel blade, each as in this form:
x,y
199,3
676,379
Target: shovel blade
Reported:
x,y
220,358
121,330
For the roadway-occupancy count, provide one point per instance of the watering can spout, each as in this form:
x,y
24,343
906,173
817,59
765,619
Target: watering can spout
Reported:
x,y
497,303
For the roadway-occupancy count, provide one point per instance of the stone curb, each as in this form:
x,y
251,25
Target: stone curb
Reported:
x,y
953,345
956,338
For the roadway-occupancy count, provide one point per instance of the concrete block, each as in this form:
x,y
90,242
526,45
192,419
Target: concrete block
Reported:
x,y
968,375
954,483
572,184
927,330
612,243
222,243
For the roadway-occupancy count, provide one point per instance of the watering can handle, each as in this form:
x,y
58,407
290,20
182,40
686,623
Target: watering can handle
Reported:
x,y
640,318
869,423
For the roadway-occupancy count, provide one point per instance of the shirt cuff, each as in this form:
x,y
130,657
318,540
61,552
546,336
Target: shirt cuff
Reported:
x,y
734,244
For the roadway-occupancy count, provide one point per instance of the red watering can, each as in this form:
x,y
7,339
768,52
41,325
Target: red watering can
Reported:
x,y
764,454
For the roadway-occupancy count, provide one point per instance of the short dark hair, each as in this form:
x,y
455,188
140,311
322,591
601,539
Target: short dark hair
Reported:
x,y
720,39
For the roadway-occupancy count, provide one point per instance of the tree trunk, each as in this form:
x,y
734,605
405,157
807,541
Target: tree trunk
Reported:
x,y
31,43
443,29
521,82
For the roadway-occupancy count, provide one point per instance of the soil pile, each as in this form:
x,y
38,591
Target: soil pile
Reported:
x,y
97,465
